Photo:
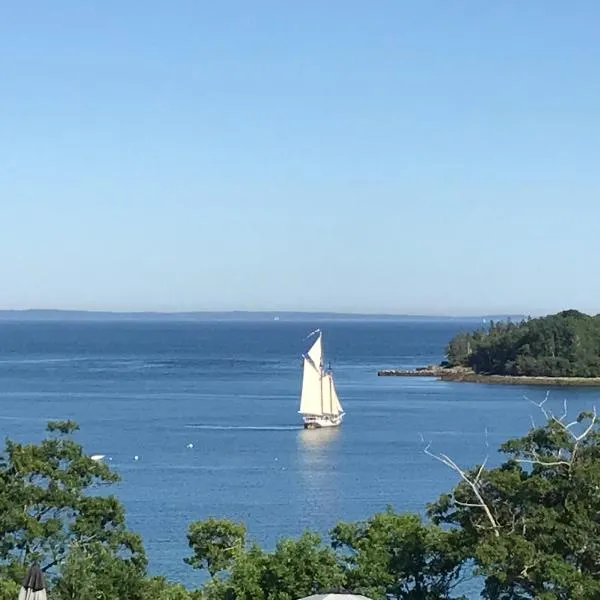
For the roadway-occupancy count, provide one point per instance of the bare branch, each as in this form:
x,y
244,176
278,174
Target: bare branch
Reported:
x,y
544,463
525,571
589,428
564,415
472,483
467,504
568,429
481,469
540,405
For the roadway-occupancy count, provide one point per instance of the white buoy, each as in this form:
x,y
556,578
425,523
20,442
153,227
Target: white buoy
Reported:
x,y
136,457
190,445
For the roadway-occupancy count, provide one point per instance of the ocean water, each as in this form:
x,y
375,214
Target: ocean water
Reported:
x,y
150,389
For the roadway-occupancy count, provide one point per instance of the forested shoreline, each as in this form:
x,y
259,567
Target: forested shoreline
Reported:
x,y
566,344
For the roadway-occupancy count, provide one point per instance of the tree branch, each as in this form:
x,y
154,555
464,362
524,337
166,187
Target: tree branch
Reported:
x,y
568,429
543,463
540,405
472,483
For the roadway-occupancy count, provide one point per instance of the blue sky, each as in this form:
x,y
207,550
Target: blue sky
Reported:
x,y
412,157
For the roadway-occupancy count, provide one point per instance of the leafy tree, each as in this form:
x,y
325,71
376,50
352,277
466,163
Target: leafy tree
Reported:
x,y
394,555
215,544
303,566
9,590
93,571
45,508
532,524
296,568
458,349
158,588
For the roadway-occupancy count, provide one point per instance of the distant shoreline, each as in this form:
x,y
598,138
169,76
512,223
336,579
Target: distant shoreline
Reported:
x,y
465,375
231,315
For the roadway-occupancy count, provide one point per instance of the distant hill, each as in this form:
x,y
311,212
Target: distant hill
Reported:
x,y
82,315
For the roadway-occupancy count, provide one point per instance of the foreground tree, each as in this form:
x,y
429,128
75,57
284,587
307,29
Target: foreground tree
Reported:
x,y
9,590
532,524
46,509
215,544
394,555
296,568
158,588
93,572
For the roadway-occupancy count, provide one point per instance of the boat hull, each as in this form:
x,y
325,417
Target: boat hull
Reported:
x,y
321,421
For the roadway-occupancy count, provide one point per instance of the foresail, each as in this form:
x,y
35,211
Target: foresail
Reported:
x,y
310,396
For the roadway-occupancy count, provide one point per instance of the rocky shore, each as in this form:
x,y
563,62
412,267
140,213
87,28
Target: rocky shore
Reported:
x,y
464,374
437,371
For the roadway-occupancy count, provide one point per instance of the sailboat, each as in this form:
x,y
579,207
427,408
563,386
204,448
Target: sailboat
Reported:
x,y
319,402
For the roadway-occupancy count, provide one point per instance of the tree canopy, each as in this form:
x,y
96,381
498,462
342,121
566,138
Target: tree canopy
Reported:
x,y
529,528
531,525
392,555
566,344
48,516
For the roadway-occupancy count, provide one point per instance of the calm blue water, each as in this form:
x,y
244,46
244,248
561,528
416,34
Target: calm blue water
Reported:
x,y
231,389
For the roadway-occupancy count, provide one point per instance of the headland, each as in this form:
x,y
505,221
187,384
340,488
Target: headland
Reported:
x,y
556,350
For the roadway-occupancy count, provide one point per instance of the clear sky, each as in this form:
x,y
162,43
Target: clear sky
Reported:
x,y
382,156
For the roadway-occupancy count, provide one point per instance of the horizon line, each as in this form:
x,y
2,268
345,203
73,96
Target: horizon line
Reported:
x,y
261,312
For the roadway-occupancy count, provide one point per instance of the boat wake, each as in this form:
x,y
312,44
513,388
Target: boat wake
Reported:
x,y
244,427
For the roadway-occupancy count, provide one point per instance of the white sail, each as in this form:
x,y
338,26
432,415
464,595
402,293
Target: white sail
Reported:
x,y
336,406
319,402
310,397
316,352
326,391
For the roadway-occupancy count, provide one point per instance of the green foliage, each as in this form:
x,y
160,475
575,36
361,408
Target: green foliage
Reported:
x,y
541,538
530,526
9,590
566,344
158,588
395,555
296,568
63,427
215,544
92,571
45,508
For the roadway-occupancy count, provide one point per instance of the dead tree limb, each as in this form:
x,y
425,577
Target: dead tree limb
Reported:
x,y
536,459
472,482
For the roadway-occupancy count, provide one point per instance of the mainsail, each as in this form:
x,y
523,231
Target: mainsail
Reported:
x,y
310,397
316,353
318,396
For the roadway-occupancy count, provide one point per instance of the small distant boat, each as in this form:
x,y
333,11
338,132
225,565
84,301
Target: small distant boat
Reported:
x,y
319,402
97,456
